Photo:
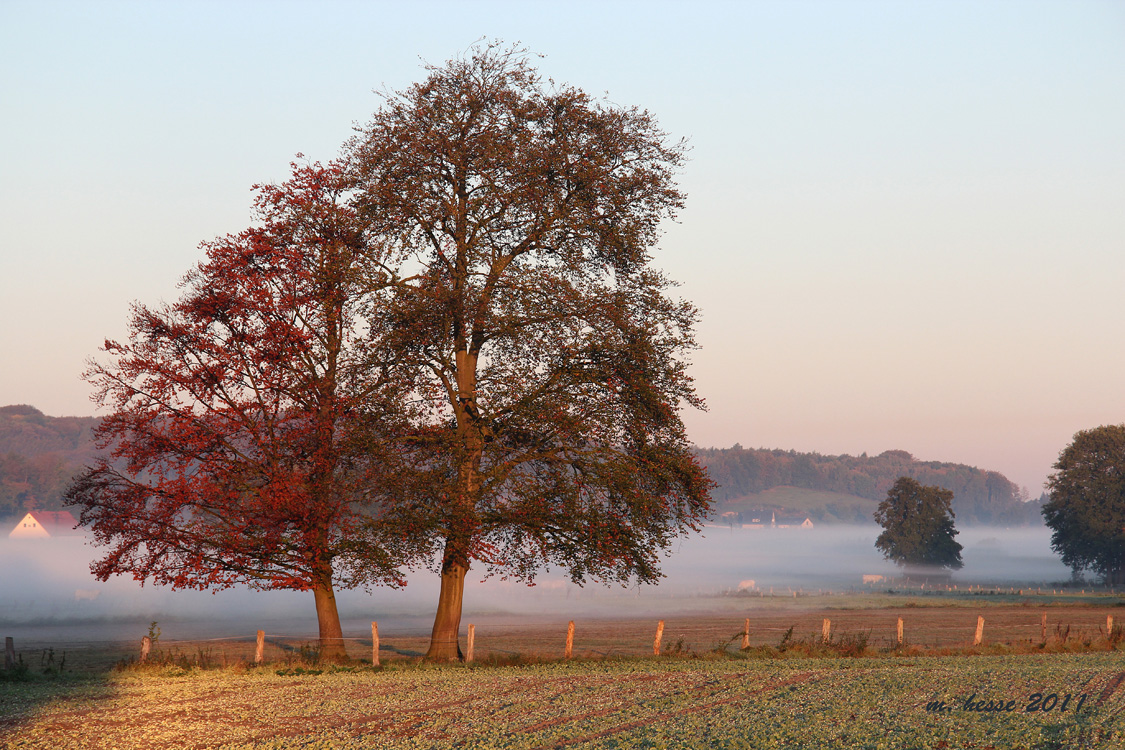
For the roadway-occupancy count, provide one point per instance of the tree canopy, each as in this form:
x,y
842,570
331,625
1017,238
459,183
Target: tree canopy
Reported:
x,y
1086,509
917,523
546,352
449,346
979,496
235,453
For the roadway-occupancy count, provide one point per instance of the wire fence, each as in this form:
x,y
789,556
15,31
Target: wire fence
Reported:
x,y
920,627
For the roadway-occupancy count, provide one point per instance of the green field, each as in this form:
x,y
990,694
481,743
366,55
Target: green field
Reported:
x,y
1054,663
800,500
726,702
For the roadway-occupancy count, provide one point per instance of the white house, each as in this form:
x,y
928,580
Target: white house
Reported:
x,y
43,524
798,522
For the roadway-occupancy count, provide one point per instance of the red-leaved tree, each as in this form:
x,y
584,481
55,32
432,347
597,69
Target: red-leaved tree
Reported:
x,y
528,322
249,425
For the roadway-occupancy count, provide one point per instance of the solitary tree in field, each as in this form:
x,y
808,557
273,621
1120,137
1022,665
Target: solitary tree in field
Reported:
x,y
917,523
1086,509
240,432
545,351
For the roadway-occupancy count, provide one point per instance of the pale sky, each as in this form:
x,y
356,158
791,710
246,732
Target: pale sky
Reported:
x,y
905,224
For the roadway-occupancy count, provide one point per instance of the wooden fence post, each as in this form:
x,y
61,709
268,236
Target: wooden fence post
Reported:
x,y
9,653
746,634
1043,627
146,644
900,631
1108,625
980,631
469,647
569,640
260,648
826,630
374,643
659,635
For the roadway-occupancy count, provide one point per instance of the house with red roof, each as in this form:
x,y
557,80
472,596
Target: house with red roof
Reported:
x,y
44,524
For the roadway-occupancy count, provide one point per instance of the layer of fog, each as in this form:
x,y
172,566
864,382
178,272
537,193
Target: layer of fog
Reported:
x,y
46,586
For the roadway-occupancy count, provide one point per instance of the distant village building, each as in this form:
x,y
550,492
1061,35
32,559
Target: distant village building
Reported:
x,y
45,524
757,520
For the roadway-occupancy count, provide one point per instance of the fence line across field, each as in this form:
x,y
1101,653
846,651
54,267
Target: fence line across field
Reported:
x,y
895,586
604,639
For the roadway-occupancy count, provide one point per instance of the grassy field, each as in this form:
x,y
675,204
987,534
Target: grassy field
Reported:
x,y
788,689
751,703
802,500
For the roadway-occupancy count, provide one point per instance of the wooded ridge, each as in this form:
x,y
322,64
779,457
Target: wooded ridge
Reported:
x,y
40,454
847,489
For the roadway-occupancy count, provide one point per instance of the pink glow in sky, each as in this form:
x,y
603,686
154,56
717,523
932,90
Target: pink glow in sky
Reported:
x,y
904,223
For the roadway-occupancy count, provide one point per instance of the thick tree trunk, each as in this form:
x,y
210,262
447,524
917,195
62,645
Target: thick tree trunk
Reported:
x,y
328,618
444,642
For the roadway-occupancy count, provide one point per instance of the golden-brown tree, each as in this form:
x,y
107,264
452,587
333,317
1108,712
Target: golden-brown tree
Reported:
x,y
517,217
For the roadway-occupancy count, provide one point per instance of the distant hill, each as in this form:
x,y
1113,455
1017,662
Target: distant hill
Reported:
x,y
26,431
819,505
38,457
847,489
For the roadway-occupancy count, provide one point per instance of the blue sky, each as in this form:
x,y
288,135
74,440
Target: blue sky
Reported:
x,y
905,221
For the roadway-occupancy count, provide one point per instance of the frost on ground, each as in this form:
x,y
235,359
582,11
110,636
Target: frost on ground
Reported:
x,y
852,703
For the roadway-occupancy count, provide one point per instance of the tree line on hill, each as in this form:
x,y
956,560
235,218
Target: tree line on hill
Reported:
x,y
980,497
39,455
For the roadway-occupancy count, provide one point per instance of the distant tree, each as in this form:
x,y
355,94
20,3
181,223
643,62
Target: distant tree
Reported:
x,y
1086,509
917,523
545,349
236,451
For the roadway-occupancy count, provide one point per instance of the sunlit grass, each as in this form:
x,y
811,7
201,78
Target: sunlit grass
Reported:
x,y
669,702
790,688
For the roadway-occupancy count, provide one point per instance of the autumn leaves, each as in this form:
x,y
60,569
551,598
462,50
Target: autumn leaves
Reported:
x,y
448,347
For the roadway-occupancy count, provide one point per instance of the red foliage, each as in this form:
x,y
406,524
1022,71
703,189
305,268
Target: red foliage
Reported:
x,y
241,440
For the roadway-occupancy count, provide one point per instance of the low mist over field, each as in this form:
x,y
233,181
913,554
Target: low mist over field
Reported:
x,y
47,587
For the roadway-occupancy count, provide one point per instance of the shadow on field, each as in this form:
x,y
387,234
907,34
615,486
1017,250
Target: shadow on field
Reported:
x,y
42,679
